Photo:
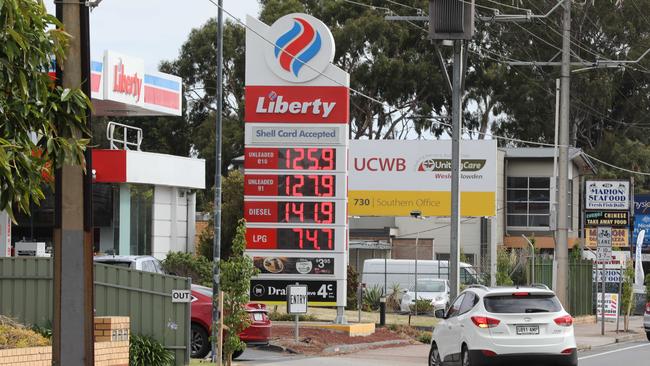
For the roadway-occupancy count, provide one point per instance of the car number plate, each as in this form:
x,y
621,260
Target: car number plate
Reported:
x,y
527,329
258,317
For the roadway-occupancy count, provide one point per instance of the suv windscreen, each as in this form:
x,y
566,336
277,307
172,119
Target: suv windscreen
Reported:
x,y
511,304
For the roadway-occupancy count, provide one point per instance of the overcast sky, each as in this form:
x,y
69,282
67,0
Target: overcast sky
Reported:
x,y
153,30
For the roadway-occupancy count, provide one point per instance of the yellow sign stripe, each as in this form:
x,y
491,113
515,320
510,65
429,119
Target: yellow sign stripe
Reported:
x,y
401,203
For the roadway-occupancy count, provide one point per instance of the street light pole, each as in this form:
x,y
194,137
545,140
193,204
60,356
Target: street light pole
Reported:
x,y
561,244
216,249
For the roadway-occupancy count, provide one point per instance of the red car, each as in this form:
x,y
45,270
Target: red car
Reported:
x,y
258,333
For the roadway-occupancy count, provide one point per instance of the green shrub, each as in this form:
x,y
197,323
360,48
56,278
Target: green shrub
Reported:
x,y
15,335
45,331
424,337
277,316
146,351
422,306
371,298
353,285
394,299
198,267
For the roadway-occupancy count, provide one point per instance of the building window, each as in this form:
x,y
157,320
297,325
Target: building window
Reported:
x,y
528,202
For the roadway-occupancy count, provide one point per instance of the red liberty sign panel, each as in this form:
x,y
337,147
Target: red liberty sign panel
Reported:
x,y
293,104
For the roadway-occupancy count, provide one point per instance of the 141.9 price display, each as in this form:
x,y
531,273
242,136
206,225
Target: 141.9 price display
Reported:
x,y
296,158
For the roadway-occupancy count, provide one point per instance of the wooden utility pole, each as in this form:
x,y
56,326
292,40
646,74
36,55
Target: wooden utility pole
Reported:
x,y
73,246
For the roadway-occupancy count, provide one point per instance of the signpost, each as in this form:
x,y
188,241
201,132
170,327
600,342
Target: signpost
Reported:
x,y
604,253
297,303
607,222
295,162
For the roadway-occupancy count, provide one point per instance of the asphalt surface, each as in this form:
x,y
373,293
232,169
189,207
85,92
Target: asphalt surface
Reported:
x,y
624,354
621,354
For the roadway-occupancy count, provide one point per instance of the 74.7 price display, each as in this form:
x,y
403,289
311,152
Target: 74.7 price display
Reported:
x,y
306,239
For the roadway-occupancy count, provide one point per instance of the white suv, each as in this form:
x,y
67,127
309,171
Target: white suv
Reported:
x,y
504,325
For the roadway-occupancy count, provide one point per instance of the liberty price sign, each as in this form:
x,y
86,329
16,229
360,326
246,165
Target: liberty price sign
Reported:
x,y
295,162
296,299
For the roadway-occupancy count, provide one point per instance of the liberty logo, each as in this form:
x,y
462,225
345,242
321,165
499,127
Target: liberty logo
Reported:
x,y
297,46
301,48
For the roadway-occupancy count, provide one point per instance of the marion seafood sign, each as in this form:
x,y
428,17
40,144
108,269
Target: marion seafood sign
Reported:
x,y
607,195
295,161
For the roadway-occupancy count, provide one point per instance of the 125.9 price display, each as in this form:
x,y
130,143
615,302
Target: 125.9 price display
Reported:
x,y
297,158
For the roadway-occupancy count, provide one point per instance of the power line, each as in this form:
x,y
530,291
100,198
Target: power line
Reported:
x,y
442,123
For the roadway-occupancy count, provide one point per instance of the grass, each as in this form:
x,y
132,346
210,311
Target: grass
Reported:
x,y
326,314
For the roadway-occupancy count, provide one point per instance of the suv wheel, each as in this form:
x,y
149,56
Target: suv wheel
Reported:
x,y
434,356
200,342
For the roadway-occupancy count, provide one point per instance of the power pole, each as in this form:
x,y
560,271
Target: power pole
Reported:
x,y
73,245
216,249
561,243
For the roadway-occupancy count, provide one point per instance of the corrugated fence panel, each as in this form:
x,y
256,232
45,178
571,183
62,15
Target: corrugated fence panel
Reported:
x,y
580,284
26,294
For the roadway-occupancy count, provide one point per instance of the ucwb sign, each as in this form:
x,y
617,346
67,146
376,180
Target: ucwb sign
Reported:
x,y
181,296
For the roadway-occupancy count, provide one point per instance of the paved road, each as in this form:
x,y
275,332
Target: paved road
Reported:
x,y
622,354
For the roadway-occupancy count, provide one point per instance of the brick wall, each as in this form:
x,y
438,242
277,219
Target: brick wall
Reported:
x,y
33,356
112,340
111,346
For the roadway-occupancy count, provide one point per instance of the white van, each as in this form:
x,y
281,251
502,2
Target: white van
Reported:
x,y
401,272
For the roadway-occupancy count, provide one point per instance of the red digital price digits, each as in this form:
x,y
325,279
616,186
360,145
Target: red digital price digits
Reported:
x,y
307,185
307,158
306,239
307,212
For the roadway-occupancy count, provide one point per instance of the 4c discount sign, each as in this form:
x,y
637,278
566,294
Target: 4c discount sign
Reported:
x,y
296,161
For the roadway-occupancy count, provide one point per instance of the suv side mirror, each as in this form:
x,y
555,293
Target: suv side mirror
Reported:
x,y
440,314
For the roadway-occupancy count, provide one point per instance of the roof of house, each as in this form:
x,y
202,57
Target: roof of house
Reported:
x,y
576,155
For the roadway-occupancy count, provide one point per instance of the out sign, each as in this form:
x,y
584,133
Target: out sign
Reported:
x,y
181,296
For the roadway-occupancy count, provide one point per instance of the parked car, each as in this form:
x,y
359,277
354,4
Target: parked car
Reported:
x,y
507,325
144,263
646,320
258,333
432,289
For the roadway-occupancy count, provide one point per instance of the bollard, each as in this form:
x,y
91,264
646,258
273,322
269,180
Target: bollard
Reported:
x,y
382,312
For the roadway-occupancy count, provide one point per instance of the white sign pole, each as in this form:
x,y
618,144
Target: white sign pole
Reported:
x,y
604,254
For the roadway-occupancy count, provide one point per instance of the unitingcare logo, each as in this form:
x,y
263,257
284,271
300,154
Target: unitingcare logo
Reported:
x,y
298,46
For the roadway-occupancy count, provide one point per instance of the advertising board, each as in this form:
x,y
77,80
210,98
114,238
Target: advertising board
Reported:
x,y
607,195
607,218
393,178
611,306
642,220
274,292
620,237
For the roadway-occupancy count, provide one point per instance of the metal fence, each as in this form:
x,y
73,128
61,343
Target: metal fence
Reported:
x,y
580,284
26,294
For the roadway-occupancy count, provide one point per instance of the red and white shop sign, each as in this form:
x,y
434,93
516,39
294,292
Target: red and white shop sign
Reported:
x,y
297,104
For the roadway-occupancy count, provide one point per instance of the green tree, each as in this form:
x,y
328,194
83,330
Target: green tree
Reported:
x,y
232,210
37,118
504,267
236,274
627,294
198,267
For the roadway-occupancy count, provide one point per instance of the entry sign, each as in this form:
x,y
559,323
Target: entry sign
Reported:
x,y
181,296
296,299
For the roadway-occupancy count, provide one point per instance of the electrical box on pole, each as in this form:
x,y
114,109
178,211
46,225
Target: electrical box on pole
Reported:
x,y
451,19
